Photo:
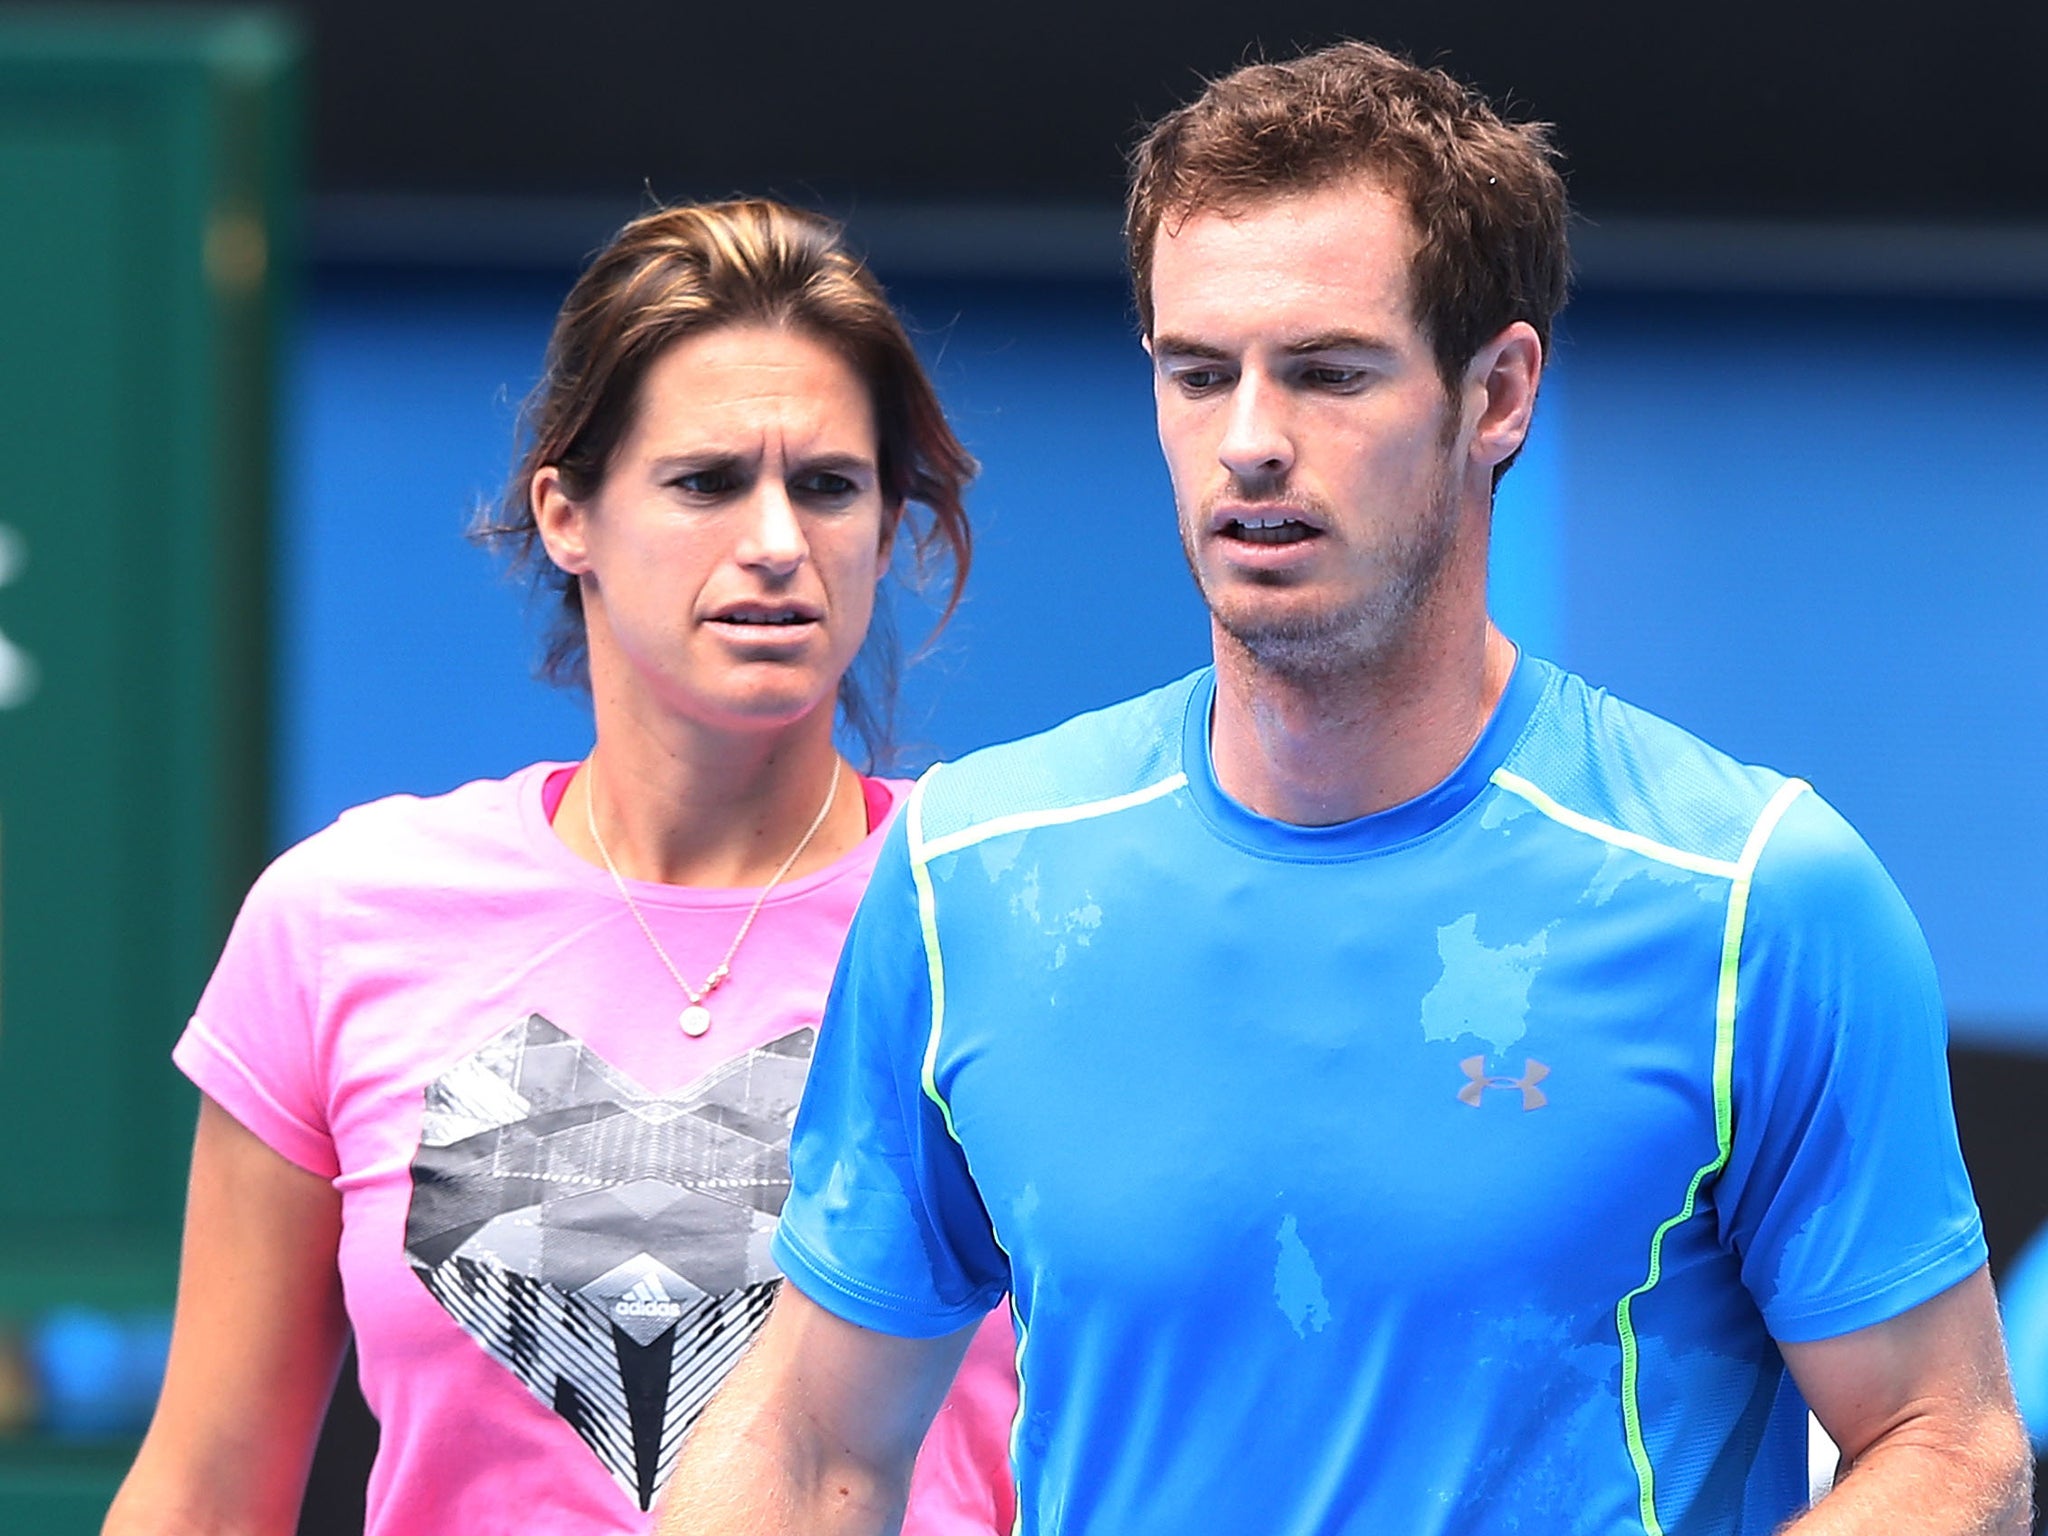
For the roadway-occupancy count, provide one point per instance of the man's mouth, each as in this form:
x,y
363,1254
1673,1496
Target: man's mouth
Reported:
x,y
1267,530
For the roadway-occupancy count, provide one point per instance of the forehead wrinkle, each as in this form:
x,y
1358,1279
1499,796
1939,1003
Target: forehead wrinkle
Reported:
x,y
773,411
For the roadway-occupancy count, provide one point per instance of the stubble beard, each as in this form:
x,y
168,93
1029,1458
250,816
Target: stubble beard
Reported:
x,y
1302,644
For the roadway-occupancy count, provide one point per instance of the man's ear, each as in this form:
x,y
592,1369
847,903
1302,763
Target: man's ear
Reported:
x,y
1500,392
560,520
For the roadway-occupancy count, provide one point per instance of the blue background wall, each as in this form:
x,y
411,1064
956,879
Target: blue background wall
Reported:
x,y
1817,534
1812,531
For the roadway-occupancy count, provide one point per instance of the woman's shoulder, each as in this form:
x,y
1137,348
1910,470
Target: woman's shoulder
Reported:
x,y
412,839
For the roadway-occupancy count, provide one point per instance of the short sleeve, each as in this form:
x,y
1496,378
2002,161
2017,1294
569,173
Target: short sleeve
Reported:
x,y
250,1046
1845,1194
883,1226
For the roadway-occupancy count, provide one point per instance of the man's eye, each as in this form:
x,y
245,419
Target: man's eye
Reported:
x,y
1334,375
1197,381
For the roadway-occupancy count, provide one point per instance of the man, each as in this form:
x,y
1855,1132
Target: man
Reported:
x,y
1405,1090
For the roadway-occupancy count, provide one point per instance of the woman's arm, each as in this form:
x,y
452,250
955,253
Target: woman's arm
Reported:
x,y
256,1343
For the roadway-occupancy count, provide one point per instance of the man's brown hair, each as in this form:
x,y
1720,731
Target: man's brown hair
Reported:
x,y
1483,192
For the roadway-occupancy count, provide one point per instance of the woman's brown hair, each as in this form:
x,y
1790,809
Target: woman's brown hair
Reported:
x,y
681,271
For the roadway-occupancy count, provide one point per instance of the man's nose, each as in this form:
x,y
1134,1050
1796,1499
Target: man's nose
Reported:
x,y
1256,444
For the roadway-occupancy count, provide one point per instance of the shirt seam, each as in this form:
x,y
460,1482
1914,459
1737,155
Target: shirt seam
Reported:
x,y
1355,855
1351,856
868,1294
212,1045
978,832
1547,805
552,857
1928,1260
320,1042
1727,1019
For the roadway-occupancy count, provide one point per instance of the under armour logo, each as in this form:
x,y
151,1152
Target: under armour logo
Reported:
x,y
1533,1072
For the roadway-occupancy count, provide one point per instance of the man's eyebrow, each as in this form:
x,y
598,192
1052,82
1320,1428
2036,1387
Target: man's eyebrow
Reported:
x,y
1186,346
1338,341
1322,341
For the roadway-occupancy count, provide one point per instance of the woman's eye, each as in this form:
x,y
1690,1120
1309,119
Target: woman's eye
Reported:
x,y
706,482
825,485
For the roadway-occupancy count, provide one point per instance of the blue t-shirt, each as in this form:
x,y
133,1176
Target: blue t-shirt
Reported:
x,y
1448,1170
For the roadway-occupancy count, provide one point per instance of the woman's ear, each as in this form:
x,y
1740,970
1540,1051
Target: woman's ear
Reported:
x,y
892,520
560,521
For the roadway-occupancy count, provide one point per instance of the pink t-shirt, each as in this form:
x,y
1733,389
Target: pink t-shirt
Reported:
x,y
555,1204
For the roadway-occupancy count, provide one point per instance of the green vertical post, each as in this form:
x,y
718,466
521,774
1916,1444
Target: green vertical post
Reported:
x,y
147,166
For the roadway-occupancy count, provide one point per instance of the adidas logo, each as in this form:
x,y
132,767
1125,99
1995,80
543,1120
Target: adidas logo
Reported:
x,y
646,1300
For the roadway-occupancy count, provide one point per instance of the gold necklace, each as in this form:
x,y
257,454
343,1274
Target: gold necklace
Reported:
x,y
695,1019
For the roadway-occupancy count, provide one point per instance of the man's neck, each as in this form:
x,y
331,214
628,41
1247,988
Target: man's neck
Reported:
x,y
1315,751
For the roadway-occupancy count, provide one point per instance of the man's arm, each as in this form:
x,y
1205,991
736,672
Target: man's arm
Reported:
x,y
815,1431
1922,1408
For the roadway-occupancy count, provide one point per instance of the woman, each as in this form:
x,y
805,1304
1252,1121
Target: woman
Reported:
x,y
503,1079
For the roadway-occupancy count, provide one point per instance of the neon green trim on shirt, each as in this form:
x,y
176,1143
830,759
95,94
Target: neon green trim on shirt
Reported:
x,y
1724,1124
935,966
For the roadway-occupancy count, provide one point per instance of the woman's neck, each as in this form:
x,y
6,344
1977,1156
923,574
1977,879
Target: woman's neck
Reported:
x,y
684,804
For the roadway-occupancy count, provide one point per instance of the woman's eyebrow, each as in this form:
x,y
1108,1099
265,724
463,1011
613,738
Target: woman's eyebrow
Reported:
x,y
706,458
858,463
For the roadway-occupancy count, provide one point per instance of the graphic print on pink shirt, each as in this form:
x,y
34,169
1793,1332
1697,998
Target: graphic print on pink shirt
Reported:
x,y
372,1020
546,1183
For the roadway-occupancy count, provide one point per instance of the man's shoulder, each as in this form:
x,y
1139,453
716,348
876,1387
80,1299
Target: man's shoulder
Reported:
x,y
1095,761
1631,771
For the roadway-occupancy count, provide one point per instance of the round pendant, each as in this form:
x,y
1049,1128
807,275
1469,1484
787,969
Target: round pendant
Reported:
x,y
695,1020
